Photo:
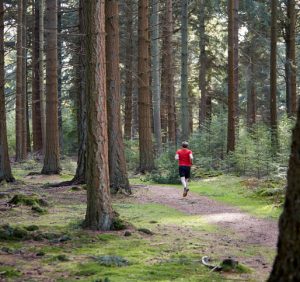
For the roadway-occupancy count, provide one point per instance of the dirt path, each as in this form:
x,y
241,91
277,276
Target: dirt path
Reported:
x,y
250,229
241,230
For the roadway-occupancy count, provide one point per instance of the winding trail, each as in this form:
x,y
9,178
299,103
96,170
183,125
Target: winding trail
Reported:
x,y
239,230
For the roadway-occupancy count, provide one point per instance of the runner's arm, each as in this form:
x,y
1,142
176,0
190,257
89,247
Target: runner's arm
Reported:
x,y
191,158
176,157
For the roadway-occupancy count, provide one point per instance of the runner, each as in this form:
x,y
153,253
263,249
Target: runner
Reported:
x,y
185,161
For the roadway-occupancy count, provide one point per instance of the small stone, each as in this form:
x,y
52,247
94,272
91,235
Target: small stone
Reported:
x,y
127,233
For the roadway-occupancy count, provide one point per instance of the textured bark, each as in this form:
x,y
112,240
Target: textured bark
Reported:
x,y
169,64
144,102
5,170
287,262
41,72
59,75
164,89
20,105
184,72
203,65
290,65
37,136
273,76
52,154
116,151
236,62
129,71
155,74
24,82
251,91
231,93
99,213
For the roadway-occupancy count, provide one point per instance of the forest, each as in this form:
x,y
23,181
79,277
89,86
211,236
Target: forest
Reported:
x,y
149,140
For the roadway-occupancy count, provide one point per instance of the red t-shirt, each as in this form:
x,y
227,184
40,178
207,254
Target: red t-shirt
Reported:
x,y
184,157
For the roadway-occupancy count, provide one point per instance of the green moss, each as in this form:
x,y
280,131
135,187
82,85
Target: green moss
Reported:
x,y
9,272
106,237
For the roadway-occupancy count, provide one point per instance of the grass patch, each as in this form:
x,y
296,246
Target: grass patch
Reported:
x,y
9,272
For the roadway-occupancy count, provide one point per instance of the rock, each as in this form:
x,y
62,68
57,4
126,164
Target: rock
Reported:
x,y
40,254
64,238
146,231
32,228
127,233
112,261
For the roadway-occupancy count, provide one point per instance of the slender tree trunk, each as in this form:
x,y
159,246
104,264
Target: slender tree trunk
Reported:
x,y
5,170
20,153
231,93
37,137
52,154
25,125
129,71
99,213
184,71
164,88
144,102
290,65
203,65
251,91
170,90
286,266
116,151
236,62
59,74
41,72
273,76
80,175
155,73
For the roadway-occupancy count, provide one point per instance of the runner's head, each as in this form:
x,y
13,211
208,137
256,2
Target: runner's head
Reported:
x,y
184,144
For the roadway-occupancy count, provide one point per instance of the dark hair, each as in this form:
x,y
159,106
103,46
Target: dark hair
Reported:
x,y
184,144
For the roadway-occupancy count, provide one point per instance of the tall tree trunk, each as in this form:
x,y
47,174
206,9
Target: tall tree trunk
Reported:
x,y
5,170
37,137
116,152
80,175
170,90
41,72
155,74
236,62
25,124
184,72
251,91
144,102
231,93
99,213
164,84
287,262
20,109
52,154
290,65
59,74
203,65
129,71
273,76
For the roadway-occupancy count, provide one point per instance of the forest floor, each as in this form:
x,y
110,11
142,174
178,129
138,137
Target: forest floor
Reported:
x,y
164,240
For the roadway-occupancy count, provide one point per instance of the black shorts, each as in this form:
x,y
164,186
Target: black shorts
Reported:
x,y
185,171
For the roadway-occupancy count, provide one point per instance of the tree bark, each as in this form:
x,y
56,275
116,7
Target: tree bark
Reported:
x,y
116,151
203,65
155,74
287,262
20,99
251,91
290,65
144,104
37,136
231,87
273,76
52,154
99,213
129,71
5,169
184,72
